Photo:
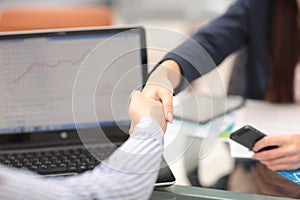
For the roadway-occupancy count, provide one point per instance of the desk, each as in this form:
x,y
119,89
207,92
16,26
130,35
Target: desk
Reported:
x,y
177,192
240,175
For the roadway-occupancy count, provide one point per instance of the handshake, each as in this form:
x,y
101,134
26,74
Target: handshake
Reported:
x,y
142,106
157,96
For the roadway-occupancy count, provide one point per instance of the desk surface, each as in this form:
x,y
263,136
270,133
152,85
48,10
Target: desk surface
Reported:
x,y
177,192
269,117
244,176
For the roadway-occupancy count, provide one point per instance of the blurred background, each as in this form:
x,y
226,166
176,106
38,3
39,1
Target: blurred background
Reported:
x,y
136,10
180,16
160,18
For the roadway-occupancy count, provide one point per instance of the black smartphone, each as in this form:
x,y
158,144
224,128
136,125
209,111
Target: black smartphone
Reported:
x,y
248,136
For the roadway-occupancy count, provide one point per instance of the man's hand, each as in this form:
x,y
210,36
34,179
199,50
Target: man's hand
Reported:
x,y
141,106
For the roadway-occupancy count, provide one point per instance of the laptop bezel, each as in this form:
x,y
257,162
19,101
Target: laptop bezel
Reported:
x,y
70,136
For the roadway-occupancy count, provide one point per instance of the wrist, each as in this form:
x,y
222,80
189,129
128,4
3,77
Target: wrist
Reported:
x,y
172,71
158,115
148,124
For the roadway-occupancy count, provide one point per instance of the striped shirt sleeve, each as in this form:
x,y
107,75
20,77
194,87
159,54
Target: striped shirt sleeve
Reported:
x,y
129,173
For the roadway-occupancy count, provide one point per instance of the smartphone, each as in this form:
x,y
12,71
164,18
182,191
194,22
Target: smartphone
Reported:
x,y
248,136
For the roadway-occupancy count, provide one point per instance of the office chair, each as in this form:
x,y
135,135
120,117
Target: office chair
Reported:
x,y
30,18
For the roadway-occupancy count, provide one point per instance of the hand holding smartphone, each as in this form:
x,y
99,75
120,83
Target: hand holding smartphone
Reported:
x,y
248,136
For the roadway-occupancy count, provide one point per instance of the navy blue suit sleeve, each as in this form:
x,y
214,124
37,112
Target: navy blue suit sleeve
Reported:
x,y
212,43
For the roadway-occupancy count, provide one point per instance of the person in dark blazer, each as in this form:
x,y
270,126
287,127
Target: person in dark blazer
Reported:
x,y
269,29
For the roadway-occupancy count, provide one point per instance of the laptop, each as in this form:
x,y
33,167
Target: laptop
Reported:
x,y
64,97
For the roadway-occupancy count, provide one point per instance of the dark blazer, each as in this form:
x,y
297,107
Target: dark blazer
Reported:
x,y
245,24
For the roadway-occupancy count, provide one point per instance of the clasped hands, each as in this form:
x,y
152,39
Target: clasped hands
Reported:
x,y
142,106
156,98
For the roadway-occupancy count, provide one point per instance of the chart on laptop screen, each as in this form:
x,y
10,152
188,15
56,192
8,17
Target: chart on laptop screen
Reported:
x,y
37,77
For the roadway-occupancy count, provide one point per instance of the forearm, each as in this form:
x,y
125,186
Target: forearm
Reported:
x,y
208,47
20,184
129,173
132,170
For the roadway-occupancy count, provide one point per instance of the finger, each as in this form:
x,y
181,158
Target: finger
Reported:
x,y
134,93
132,101
131,129
164,127
270,141
293,159
167,101
271,154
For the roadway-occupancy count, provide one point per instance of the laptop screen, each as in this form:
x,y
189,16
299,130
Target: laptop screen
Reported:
x,y
38,74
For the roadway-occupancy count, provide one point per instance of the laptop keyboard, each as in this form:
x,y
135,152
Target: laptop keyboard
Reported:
x,y
75,160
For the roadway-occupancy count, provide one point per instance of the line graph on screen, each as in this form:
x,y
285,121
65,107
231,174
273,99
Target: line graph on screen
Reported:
x,y
33,68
